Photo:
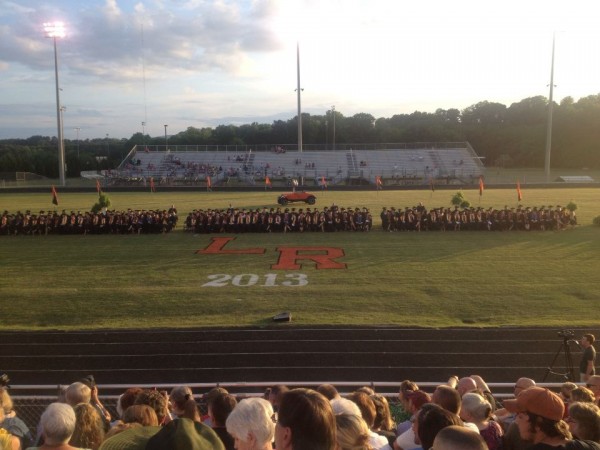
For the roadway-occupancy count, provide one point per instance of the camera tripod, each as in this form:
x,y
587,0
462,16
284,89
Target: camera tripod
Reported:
x,y
565,347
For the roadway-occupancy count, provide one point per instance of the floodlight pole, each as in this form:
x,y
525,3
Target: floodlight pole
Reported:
x,y
77,129
333,114
298,92
55,30
549,126
166,138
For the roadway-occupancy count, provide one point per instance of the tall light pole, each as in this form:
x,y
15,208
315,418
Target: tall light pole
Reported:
x,y
166,137
143,134
549,126
298,90
333,114
57,30
107,149
77,129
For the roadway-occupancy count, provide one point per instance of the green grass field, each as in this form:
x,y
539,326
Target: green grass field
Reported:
x,y
405,279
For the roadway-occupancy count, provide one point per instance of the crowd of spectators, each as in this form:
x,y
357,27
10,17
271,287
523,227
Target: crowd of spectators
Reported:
x,y
461,414
82,223
419,218
278,220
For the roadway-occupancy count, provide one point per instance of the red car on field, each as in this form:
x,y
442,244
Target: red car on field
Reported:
x,y
291,197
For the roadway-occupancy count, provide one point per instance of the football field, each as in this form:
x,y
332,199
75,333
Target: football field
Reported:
x,y
179,279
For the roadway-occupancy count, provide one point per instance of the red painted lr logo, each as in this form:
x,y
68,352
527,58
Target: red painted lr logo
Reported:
x,y
290,258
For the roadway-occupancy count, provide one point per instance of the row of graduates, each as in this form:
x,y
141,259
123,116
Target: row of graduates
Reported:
x,y
418,218
278,220
103,222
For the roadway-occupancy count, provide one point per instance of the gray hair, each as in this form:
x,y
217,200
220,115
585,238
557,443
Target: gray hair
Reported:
x,y
57,423
252,416
78,393
476,405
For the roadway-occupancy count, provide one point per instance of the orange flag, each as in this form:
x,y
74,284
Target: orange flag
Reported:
x,y
54,196
208,182
98,187
324,182
267,182
480,186
519,193
378,182
152,187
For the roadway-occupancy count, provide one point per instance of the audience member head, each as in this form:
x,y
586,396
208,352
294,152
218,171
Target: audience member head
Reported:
x,y
431,419
416,399
475,408
219,409
366,406
593,384
456,437
406,386
306,421
522,384
352,433
142,414
466,385
78,393
584,421
127,399
366,389
89,428
328,391
383,415
566,389
447,397
539,414
6,403
179,397
275,395
587,340
156,401
57,423
344,406
582,394
251,424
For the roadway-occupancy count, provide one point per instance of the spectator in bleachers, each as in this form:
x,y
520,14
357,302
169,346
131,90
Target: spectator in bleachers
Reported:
x,y
156,400
416,399
134,416
584,421
406,386
251,425
214,392
57,425
139,425
219,410
8,441
89,428
593,384
126,400
306,421
431,419
456,437
477,410
179,397
329,391
448,398
565,391
352,433
10,422
383,424
368,412
276,394
582,394
539,419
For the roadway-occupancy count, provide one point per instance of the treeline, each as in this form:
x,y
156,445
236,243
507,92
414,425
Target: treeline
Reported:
x,y
513,136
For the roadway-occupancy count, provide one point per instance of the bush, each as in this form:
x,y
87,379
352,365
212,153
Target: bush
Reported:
x,y
457,199
103,202
465,204
596,221
571,206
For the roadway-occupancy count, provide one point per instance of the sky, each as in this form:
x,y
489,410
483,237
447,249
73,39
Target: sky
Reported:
x,y
202,63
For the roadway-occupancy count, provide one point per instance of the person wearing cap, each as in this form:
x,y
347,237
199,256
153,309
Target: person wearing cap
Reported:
x,y
539,419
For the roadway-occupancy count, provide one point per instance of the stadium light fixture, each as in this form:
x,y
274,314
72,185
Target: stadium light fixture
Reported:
x,y
57,30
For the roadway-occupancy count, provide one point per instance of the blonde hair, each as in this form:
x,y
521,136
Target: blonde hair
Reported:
x,y
89,429
352,432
